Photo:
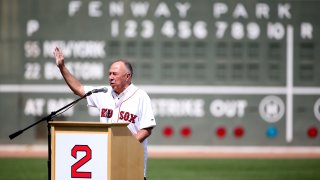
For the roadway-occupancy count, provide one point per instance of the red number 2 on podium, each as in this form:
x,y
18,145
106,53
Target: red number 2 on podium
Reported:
x,y
81,162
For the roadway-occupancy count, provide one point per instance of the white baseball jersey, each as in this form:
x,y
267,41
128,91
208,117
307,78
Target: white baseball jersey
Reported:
x,y
132,106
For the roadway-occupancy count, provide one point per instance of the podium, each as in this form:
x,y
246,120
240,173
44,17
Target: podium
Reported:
x,y
95,151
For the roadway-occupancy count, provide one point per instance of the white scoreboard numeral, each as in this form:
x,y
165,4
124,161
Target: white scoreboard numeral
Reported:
x,y
237,30
147,29
32,71
221,29
115,28
131,29
200,30
253,30
184,29
168,29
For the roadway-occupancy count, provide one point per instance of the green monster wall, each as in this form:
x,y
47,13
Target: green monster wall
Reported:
x,y
218,72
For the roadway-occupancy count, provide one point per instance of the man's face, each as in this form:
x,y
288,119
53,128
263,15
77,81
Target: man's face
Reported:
x,y
119,77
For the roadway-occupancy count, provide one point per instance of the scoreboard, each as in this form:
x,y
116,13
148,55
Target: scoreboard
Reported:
x,y
218,72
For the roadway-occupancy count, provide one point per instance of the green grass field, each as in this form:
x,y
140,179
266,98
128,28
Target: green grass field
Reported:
x,y
187,169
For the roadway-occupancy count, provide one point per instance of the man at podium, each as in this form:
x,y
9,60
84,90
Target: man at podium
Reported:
x,y
120,102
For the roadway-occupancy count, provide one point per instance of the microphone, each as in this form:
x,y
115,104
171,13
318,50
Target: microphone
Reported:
x,y
104,90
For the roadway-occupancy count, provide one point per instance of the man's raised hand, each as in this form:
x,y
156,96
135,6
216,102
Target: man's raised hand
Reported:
x,y
59,57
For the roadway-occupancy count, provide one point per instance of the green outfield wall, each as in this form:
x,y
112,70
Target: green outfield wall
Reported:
x,y
223,73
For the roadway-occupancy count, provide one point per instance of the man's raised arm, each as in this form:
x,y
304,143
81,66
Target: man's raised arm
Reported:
x,y
74,84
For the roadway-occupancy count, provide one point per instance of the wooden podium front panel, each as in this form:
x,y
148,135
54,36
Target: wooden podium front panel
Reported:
x,y
95,151
82,156
80,151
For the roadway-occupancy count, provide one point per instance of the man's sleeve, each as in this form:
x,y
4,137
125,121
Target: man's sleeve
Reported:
x,y
147,117
90,99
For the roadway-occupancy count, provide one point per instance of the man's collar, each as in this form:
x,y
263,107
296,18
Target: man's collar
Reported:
x,y
123,93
